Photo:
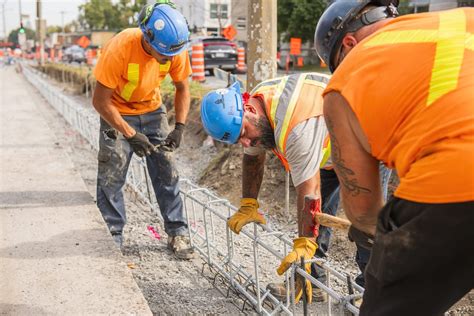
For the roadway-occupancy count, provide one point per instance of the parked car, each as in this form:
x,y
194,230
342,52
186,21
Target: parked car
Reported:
x,y
219,52
74,53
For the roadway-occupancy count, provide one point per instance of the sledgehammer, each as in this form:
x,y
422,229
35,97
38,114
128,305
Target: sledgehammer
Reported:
x,y
311,202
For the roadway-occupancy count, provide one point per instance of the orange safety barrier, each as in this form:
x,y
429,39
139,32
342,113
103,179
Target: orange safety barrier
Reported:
x,y
197,62
90,57
300,62
241,67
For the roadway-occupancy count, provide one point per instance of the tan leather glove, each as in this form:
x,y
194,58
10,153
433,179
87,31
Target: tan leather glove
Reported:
x,y
301,247
247,213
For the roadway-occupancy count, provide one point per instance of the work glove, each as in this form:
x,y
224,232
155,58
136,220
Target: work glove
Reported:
x,y
174,138
301,247
141,144
247,213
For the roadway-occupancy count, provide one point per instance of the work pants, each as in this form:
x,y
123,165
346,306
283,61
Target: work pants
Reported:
x,y
115,154
422,259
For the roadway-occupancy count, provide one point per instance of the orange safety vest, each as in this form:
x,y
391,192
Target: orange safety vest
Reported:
x,y
289,101
411,87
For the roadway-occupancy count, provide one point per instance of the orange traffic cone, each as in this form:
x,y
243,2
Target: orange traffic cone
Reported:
x,y
197,62
241,67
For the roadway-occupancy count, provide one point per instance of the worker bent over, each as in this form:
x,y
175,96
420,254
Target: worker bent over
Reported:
x,y
133,119
283,115
402,93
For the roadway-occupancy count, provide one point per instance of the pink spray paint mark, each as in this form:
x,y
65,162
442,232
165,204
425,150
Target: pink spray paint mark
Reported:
x,y
153,232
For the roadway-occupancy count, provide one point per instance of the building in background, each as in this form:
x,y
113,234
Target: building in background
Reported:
x,y
206,17
239,19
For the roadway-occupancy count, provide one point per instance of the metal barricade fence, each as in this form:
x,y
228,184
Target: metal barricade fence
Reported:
x,y
239,261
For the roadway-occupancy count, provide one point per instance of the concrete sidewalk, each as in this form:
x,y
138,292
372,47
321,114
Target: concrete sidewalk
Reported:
x,y
56,255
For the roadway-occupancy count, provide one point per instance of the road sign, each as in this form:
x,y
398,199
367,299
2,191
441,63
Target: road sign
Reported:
x,y
229,32
83,41
295,46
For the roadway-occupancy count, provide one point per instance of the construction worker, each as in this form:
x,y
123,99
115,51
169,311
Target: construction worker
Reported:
x,y
133,119
227,126
292,126
402,93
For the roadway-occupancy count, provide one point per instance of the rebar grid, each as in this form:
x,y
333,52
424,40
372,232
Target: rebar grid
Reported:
x,y
245,262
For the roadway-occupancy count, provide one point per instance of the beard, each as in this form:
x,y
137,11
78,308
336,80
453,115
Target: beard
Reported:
x,y
267,137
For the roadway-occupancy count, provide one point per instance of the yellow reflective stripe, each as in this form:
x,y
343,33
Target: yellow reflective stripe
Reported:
x,y
315,83
276,98
289,112
403,37
326,155
133,75
165,67
264,88
470,41
449,54
451,40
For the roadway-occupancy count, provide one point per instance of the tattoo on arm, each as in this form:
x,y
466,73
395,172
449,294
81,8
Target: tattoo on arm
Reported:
x,y
252,175
346,175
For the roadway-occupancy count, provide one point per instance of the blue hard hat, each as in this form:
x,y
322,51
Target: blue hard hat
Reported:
x,y
222,114
342,17
165,28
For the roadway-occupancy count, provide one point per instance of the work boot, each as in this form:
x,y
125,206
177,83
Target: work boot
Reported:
x,y
279,291
181,247
118,239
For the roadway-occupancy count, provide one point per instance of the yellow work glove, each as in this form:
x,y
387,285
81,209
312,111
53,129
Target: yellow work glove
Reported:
x,y
247,213
301,247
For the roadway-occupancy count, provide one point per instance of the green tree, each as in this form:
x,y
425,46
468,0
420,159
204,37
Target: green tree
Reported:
x,y
99,15
53,29
298,18
13,36
104,15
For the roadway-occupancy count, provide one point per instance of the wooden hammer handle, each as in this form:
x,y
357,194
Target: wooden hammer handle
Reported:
x,y
310,202
332,221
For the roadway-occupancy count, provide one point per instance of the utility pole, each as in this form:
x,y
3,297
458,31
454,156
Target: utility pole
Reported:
x,y
40,30
4,23
19,8
62,22
262,41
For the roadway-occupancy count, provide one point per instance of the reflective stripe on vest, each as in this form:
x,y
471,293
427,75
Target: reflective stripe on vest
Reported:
x,y
284,93
326,152
133,76
451,40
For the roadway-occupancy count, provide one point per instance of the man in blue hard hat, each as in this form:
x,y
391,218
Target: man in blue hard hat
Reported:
x,y
275,116
264,120
133,119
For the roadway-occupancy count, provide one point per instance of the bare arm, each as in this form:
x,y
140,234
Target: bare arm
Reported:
x,y
356,168
182,100
252,174
102,103
311,186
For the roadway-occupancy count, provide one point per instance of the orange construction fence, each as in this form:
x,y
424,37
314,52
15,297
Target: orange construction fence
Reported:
x,y
197,62
241,59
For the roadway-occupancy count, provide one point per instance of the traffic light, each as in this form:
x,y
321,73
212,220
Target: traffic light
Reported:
x,y
22,29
